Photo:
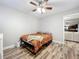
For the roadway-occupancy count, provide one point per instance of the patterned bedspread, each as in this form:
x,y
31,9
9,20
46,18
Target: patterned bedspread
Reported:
x,y
37,39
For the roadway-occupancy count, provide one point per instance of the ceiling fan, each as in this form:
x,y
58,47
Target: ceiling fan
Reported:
x,y
40,6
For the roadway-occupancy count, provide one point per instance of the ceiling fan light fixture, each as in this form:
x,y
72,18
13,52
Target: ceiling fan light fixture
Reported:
x,y
41,6
43,10
40,10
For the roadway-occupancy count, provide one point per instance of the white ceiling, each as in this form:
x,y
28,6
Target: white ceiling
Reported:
x,y
24,6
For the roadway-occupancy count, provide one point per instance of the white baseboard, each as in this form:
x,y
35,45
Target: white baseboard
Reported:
x,y
58,42
11,46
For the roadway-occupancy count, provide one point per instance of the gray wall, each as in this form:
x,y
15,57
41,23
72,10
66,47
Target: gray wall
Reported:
x,y
55,23
14,24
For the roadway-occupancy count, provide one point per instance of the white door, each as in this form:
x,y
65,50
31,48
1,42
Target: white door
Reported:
x,y
1,46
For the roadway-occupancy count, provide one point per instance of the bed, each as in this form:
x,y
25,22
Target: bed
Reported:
x,y
34,42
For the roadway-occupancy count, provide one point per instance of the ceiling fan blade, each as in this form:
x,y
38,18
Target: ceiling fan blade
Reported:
x,y
46,0
49,8
34,10
33,3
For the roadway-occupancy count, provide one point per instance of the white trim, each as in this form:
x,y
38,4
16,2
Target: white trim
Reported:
x,y
11,46
1,45
58,42
63,30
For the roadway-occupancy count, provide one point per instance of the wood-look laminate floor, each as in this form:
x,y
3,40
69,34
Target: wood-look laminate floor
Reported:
x,y
70,50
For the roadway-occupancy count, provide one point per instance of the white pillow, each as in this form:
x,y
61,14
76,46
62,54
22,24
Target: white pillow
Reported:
x,y
35,37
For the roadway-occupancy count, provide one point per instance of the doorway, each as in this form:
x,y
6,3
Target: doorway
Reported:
x,y
71,28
